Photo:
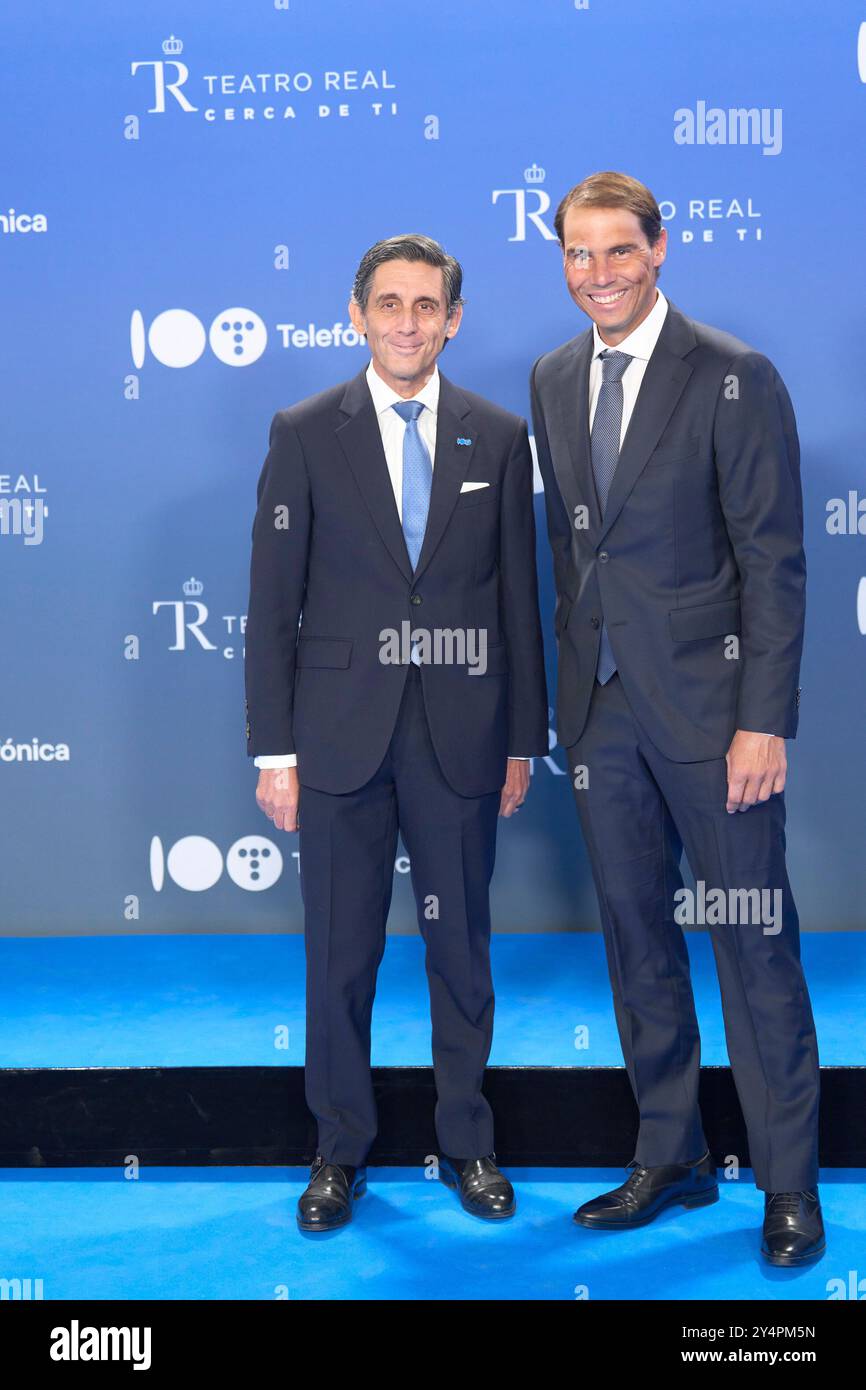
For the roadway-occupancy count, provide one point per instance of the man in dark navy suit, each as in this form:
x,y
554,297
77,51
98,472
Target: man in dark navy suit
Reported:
x,y
671,469
395,682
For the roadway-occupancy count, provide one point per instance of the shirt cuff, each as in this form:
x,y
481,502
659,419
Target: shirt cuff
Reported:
x,y
516,758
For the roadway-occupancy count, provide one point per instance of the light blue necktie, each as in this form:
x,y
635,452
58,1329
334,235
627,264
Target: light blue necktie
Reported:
x,y
417,479
604,441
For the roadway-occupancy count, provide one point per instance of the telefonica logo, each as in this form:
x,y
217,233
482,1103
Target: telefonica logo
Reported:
x,y
195,863
236,337
177,338
736,125
33,752
12,221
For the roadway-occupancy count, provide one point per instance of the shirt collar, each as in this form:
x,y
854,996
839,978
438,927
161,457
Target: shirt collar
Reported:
x,y
384,397
641,341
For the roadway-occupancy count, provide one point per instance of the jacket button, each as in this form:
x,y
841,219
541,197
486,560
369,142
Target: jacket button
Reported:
x,y
415,599
594,622
603,557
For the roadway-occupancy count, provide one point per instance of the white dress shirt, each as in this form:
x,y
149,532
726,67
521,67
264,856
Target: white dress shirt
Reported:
x,y
392,430
639,344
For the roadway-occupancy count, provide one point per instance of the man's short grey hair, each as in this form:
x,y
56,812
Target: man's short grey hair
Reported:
x,y
409,247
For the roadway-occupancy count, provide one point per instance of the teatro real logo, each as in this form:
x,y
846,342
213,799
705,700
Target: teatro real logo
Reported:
x,y
189,614
530,204
706,219
248,97
169,77
187,618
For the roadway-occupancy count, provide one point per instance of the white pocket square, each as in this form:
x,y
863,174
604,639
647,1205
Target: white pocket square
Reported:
x,y
472,487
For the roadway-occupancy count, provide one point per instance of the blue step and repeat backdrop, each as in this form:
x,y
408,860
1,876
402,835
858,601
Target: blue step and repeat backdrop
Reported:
x,y
186,190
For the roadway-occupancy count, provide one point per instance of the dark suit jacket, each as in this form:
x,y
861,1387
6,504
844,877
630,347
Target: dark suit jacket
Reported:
x,y
342,571
702,537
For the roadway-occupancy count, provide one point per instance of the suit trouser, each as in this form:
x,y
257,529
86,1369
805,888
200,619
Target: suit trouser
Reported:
x,y
637,812
347,849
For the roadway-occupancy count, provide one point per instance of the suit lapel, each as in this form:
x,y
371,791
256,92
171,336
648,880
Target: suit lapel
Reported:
x,y
361,441
663,383
450,465
572,396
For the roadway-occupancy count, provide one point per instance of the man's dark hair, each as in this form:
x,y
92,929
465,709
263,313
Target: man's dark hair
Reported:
x,y
613,190
409,247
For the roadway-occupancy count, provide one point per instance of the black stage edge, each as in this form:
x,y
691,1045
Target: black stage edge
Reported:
x,y
545,1116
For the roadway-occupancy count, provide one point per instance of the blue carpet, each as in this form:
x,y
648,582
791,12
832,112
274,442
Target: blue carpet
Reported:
x,y
231,1234
217,1000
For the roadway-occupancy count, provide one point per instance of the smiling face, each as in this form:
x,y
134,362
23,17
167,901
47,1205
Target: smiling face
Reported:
x,y
610,268
406,323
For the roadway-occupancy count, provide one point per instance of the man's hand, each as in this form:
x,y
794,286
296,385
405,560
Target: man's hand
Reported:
x,y
516,786
756,769
278,793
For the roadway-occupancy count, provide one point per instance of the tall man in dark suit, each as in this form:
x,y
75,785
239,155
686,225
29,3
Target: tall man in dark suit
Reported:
x,y
395,682
670,461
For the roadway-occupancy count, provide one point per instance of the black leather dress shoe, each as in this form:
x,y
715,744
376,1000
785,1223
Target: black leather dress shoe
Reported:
x,y
793,1228
648,1191
327,1201
482,1189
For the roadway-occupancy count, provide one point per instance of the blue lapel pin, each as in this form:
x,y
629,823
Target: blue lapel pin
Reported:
x,y
464,441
